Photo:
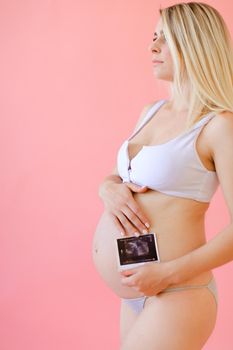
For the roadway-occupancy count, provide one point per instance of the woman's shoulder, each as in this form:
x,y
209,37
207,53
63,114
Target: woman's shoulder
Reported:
x,y
222,123
221,145
144,111
220,130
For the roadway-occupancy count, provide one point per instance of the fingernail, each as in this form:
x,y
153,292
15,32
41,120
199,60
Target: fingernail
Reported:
x,y
147,225
137,234
122,234
144,232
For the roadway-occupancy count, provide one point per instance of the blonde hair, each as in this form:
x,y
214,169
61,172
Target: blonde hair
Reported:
x,y
202,53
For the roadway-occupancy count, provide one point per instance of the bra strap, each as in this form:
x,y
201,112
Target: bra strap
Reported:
x,y
149,114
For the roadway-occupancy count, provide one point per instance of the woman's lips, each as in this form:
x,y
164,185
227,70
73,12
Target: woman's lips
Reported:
x,y
156,62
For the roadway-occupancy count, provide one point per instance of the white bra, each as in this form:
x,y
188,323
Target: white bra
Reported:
x,y
173,167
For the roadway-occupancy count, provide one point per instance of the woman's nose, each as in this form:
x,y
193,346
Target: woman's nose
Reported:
x,y
152,47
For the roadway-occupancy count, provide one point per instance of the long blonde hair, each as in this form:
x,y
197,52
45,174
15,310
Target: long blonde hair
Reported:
x,y
202,52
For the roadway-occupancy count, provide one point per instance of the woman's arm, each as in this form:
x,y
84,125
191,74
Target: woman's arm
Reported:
x,y
216,252
219,250
119,202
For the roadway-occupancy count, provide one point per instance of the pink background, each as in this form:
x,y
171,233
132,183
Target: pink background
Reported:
x,y
75,76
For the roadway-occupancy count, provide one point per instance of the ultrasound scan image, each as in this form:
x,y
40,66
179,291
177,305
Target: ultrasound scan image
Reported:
x,y
137,249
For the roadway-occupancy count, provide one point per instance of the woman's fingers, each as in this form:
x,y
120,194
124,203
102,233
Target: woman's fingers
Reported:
x,y
119,201
136,188
138,214
130,221
135,221
144,224
129,228
123,225
118,225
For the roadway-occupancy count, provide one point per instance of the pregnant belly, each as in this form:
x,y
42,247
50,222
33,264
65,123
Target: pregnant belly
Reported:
x,y
182,233
105,257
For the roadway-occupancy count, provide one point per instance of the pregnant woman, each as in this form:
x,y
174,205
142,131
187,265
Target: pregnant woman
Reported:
x,y
167,171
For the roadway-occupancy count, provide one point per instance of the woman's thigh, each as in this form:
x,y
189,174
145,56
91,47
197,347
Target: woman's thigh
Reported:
x,y
178,321
127,319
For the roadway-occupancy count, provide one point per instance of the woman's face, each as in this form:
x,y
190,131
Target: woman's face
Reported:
x,y
160,51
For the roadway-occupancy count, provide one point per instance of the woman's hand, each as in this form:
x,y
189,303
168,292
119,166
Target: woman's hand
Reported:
x,y
121,205
149,279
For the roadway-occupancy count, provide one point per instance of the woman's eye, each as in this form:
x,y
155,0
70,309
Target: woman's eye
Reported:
x,y
162,36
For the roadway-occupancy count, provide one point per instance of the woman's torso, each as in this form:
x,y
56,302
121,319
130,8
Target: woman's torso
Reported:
x,y
177,220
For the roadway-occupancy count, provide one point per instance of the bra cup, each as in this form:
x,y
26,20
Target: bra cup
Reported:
x,y
173,167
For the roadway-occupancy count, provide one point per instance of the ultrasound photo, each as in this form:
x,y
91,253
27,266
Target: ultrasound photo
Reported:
x,y
140,249
136,248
